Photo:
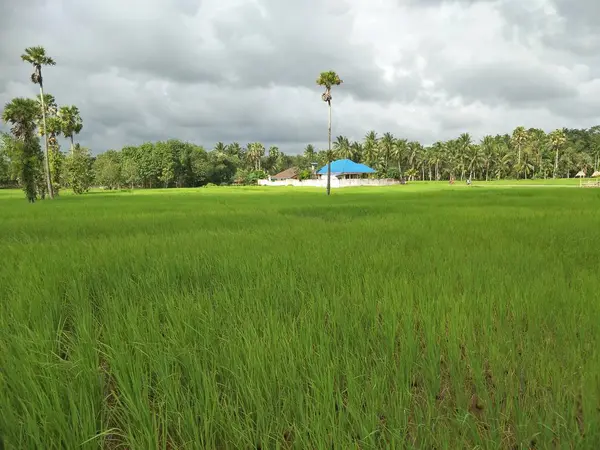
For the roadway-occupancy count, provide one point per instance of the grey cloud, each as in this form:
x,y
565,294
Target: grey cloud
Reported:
x,y
224,70
501,83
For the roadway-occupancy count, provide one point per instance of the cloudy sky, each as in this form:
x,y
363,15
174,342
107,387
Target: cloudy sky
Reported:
x,y
245,70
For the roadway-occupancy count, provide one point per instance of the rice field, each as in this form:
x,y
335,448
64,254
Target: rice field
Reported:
x,y
419,316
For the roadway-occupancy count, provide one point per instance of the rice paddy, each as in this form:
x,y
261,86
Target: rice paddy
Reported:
x,y
419,316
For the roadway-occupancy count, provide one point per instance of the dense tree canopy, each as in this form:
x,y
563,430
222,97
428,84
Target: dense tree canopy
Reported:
x,y
526,153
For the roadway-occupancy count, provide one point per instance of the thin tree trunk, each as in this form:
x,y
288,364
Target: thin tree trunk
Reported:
x,y
46,158
329,153
555,164
72,145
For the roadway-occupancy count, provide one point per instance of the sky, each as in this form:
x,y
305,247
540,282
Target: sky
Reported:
x,y
244,70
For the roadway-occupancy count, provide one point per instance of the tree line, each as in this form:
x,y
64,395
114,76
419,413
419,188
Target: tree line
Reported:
x,y
41,171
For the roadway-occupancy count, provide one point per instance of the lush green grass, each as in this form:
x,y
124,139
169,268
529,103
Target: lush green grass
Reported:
x,y
422,316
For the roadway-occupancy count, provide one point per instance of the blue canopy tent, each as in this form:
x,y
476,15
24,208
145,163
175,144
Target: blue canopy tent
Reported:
x,y
344,168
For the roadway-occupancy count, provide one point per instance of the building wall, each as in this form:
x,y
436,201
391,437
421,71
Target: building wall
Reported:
x,y
335,183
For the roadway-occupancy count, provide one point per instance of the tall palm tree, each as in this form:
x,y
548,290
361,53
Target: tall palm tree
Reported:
x,y
488,150
464,144
52,128
370,147
386,147
398,152
519,140
21,113
37,57
414,150
71,122
557,139
437,155
328,80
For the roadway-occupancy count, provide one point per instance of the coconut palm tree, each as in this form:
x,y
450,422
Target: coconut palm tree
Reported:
x,y
489,150
342,148
398,151
328,80
370,147
437,157
519,140
357,151
310,154
557,141
71,122
21,114
220,147
464,144
37,57
386,148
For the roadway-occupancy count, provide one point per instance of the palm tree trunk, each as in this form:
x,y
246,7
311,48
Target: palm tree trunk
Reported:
x,y
46,159
555,164
72,145
329,153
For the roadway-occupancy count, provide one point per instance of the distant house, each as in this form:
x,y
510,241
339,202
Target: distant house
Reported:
x,y
345,169
287,174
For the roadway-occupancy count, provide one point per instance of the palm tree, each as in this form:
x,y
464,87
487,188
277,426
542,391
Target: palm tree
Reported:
x,y
519,140
439,148
220,148
414,150
488,150
71,122
398,152
475,159
464,143
21,113
386,146
328,80
370,147
235,150
357,151
310,153
38,58
342,148
557,140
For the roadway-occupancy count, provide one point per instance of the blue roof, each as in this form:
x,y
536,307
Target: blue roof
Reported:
x,y
342,166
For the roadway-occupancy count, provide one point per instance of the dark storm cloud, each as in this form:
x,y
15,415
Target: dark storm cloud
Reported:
x,y
245,70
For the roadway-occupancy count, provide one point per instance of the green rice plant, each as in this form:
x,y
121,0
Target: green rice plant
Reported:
x,y
418,316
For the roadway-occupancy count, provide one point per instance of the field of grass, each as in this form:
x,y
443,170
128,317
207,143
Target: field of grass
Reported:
x,y
419,316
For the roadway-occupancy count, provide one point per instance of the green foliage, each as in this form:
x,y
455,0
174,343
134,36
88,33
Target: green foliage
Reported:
x,y
71,122
255,175
423,316
305,174
328,79
57,167
80,172
107,170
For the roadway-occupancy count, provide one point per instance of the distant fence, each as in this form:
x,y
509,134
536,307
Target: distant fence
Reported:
x,y
335,183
